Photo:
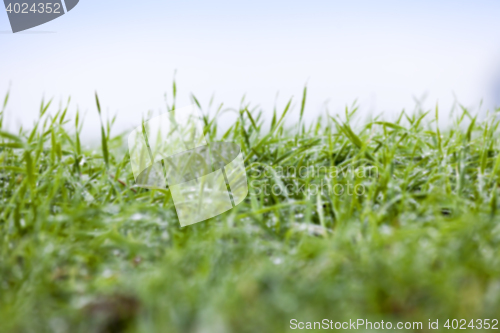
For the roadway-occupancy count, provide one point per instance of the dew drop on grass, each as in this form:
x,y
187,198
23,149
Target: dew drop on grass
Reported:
x,y
137,217
107,273
385,230
277,261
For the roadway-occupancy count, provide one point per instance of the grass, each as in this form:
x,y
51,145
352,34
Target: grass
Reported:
x,y
83,250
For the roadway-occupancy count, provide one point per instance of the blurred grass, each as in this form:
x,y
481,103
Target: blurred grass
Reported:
x,y
83,250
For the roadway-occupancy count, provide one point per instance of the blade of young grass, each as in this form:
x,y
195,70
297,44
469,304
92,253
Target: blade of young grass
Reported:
x,y
104,141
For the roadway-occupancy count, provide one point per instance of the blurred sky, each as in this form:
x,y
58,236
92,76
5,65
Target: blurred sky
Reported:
x,y
383,53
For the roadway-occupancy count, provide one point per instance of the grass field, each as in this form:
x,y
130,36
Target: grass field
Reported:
x,y
83,250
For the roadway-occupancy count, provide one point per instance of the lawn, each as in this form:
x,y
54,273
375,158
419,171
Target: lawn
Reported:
x,y
345,219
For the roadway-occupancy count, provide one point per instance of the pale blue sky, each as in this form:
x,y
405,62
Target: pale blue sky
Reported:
x,y
380,52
